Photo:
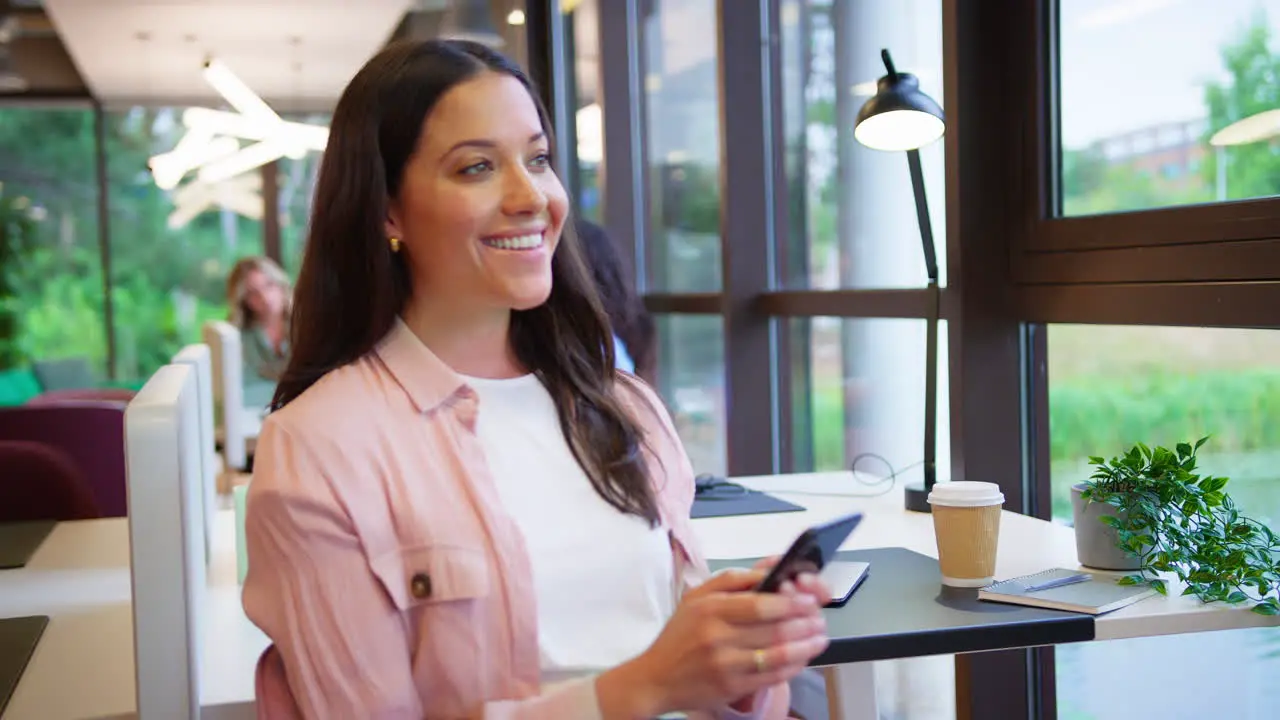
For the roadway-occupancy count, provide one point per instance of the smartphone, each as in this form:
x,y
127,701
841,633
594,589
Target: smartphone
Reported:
x,y
810,552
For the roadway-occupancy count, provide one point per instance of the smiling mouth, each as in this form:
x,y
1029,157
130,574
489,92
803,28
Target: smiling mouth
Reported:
x,y
532,241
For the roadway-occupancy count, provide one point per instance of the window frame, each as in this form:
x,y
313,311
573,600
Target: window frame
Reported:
x,y
1229,242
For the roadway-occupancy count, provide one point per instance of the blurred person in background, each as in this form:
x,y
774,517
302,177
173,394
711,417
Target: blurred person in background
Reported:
x,y
259,300
634,333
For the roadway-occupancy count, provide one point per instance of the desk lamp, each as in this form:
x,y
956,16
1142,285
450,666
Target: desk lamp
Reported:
x,y
900,117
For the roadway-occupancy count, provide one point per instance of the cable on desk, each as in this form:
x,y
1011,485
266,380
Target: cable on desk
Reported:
x,y
882,485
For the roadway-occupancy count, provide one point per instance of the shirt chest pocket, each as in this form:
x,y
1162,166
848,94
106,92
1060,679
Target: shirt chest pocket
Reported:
x,y
427,575
443,596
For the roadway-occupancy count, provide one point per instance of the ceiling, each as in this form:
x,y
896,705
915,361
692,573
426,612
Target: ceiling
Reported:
x,y
296,54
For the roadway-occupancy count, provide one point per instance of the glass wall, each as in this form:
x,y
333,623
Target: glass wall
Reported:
x,y
168,265
691,381
297,188
851,212
852,223
169,257
682,137
1145,86
868,402
51,294
583,22
1111,387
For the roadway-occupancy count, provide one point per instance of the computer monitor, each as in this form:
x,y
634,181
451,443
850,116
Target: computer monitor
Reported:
x,y
198,356
166,528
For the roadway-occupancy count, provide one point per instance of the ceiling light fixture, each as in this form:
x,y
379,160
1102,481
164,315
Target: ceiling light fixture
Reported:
x,y
242,195
235,92
211,145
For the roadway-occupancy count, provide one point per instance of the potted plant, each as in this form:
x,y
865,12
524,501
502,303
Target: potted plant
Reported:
x,y
1149,510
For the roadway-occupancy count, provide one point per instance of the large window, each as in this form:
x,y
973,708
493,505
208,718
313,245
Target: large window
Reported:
x,y
1143,88
682,146
168,268
851,223
51,261
583,24
169,259
868,403
851,212
297,188
847,221
1111,387
691,381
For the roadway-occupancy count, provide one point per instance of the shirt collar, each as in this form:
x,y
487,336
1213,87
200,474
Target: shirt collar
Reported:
x,y
425,378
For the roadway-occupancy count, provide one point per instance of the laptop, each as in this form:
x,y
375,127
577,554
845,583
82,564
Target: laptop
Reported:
x,y
19,541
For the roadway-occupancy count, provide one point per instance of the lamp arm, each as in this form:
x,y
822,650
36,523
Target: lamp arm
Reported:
x,y
922,215
931,329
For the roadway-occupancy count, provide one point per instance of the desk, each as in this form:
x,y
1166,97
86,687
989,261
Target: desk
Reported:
x,y
1027,545
83,665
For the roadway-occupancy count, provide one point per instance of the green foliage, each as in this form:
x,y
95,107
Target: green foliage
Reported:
x,y
1092,186
16,233
165,283
1090,413
1175,520
1252,170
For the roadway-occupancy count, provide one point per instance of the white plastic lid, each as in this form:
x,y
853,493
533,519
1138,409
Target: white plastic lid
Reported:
x,y
966,493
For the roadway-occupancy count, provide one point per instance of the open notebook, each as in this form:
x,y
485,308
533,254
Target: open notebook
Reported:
x,y
1095,596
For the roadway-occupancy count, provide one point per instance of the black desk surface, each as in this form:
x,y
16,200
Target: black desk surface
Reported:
x,y
20,540
903,610
18,638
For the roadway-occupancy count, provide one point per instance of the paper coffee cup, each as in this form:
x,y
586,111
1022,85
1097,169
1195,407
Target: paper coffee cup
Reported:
x,y
966,522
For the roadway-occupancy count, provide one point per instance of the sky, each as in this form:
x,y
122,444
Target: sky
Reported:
x,y
1129,64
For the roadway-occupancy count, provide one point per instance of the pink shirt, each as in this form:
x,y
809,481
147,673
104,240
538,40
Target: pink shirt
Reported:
x,y
382,566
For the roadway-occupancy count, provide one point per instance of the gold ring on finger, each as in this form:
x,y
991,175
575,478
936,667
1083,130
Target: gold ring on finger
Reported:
x,y
760,663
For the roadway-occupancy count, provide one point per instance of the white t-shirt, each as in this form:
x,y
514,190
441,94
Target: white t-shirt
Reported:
x,y
603,580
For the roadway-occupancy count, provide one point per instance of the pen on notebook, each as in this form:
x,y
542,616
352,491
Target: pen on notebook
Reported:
x,y
1059,582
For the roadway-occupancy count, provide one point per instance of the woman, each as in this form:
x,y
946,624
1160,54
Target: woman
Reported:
x,y
459,508
258,298
632,325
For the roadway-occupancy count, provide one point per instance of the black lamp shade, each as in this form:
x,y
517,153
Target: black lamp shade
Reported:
x,y
899,116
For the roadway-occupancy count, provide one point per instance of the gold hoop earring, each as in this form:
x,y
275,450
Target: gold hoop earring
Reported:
x,y
395,244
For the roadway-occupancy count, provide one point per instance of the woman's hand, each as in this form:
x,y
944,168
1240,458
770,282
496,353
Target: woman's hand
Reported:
x,y
806,582
724,643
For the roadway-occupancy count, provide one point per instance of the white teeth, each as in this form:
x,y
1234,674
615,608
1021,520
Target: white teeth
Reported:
x,y
524,242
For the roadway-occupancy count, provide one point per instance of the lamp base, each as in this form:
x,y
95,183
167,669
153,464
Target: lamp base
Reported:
x,y
917,498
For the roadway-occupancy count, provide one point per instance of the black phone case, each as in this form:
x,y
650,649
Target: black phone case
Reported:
x,y
811,551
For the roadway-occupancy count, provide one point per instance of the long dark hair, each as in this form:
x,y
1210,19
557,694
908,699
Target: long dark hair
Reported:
x,y
351,287
626,312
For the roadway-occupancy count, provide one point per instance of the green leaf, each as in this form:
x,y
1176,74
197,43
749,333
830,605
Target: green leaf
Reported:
x,y
1129,580
1237,597
1266,608
1159,586
1213,484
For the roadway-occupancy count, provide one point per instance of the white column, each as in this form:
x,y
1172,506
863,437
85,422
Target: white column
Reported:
x,y
880,245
